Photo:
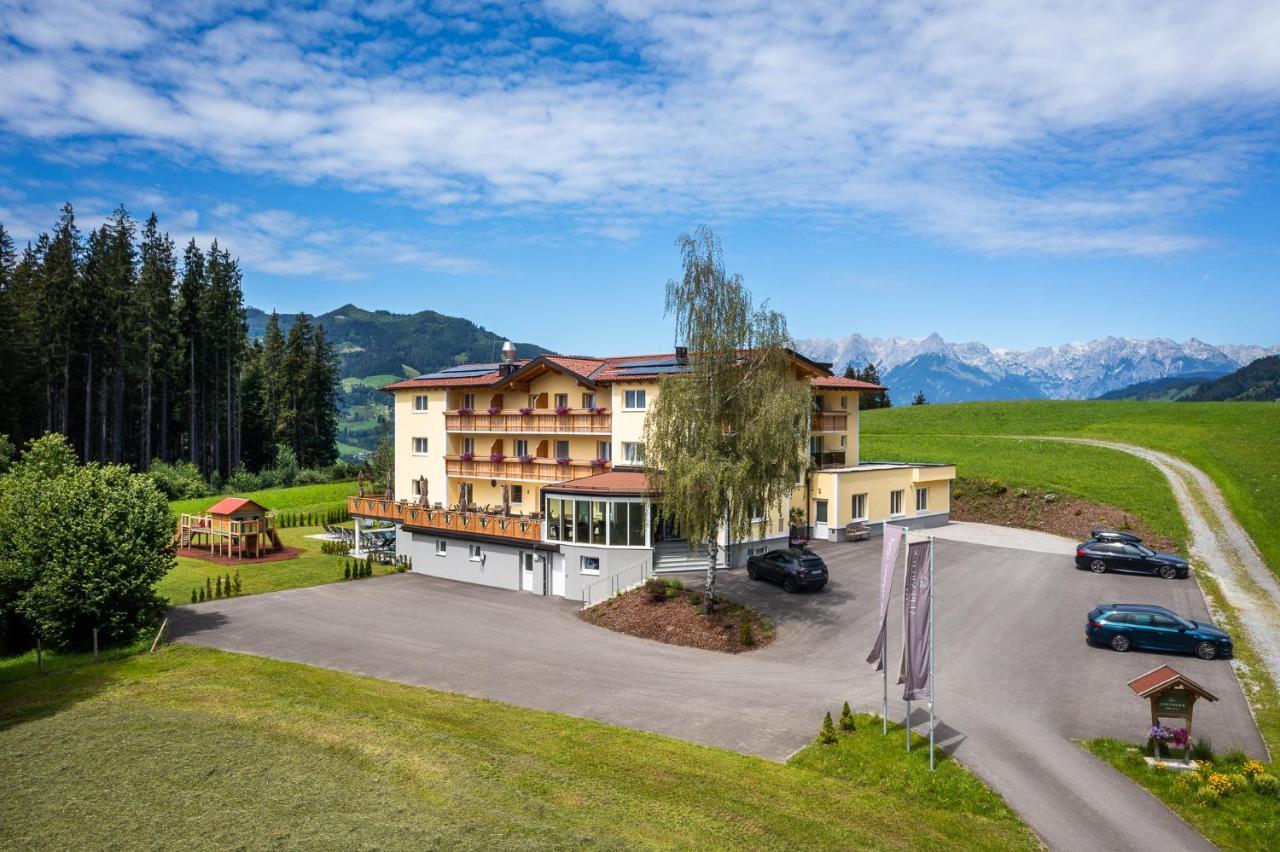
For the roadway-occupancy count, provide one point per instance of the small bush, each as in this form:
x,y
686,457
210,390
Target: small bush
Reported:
x,y
1266,784
1208,796
208,588
193,596
1202,751
178,481
846,718
1239,781
1253,769
346,572
695,598
237,581
1219,783
828,734
202,597
745,634
217,588
655,589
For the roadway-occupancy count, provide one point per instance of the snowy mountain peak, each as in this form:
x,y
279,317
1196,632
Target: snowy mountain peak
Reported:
x,y
1076,370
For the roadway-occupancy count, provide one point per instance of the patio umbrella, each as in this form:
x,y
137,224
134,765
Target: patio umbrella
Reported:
x,y
390,492
422,491
506,499
360,482
462,495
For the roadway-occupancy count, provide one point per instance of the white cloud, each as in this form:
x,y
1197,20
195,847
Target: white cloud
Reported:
x,y
1073,127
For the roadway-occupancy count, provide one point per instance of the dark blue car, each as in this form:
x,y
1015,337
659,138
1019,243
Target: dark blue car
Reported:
x,y
795,569
1154,628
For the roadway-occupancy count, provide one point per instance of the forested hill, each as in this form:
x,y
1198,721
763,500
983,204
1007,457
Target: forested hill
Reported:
x,y
1255,382
380,342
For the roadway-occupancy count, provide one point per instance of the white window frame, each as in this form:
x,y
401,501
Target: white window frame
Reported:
x,y
468,445
633,396
475,553
859,502
521,447
633,452
844,403
588,400
561,400
416,485
605,449
424,446
442,547
584,560
567,448
468,400
420,402
922,499
896,496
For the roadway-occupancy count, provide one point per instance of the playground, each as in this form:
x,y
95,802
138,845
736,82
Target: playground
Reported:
x,y
233,531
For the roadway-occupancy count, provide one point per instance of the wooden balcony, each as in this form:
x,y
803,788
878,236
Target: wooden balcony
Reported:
x,y
828,459
539,469
827,421
516,527
539,421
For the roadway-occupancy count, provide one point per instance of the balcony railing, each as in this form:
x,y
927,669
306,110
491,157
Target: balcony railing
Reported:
x,y
520,527
538,421
830,459
540,469
825,421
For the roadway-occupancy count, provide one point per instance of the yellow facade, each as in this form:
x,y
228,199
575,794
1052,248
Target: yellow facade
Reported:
x,y
432,438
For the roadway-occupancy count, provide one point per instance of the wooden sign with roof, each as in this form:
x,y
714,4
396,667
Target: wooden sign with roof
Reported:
x,y
1172,695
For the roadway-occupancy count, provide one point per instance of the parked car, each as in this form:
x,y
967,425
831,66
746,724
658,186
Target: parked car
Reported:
x,y
1103,556
1115,535
1155,628
794,568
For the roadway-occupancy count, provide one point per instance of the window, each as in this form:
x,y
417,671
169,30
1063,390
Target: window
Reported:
x,y
842,440
417,488
597,522
517,493
419,446
468,445
632,452
817,402
590,565
582,521
1163,621
588,400
562,449
859,507
468,400
562,400
521,448
844,403
420,402
442,547
554,532
604,450
755,551
465,495
895,502
820,511
477,555
815,445
922,499
633,400
757,512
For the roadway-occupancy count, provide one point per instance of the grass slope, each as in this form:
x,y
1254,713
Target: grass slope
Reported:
x,y
298,498
197,748
1235,443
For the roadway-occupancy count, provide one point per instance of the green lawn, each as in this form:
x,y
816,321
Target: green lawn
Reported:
x,y
298,498
1236,443
378,381
1245,818
309,568
192,747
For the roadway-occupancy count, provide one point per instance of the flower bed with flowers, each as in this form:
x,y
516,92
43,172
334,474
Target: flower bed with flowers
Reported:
x,y
1231,799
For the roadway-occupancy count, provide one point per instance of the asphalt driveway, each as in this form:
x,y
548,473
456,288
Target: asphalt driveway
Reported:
x,y
1016,681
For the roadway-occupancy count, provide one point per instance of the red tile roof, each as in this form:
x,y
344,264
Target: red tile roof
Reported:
x,y
231,505
613,482
584,367
841,383
1164,677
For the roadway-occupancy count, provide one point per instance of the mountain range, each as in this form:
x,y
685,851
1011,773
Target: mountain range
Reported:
x,y
964,372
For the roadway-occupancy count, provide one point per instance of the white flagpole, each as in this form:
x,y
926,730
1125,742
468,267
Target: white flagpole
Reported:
x,y
906,644
933,686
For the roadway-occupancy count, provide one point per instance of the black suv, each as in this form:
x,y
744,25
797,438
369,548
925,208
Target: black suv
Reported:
x,y
795,569
1101,555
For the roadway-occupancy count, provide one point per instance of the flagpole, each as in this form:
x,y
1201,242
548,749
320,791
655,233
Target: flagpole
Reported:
x,y
906,644
933,686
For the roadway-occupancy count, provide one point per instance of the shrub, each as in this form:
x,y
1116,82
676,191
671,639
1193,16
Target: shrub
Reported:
x,y
1208,796
286,466
208,588
695,598
828,734
202,597
226,584
237,581
193,595
655,589
346,572
1253,769
1219,783
1266,784
1202,751
313,476
178,481
1239,781
846,718
217,588
243,480
746,636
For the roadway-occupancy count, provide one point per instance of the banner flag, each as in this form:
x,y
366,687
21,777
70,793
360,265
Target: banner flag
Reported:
x,y
890,549
916,625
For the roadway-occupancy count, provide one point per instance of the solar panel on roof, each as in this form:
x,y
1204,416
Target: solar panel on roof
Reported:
x,y
662,368
470,368
457,374
652,362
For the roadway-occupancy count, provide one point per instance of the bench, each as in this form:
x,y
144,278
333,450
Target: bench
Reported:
x,y
857,532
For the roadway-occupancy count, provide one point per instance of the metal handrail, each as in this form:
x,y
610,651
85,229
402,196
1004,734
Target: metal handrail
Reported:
x,y
613,584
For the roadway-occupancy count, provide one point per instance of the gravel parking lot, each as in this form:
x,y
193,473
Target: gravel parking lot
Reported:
x,y
1016,681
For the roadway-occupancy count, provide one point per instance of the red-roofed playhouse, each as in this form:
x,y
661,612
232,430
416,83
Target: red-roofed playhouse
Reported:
x,y
232,527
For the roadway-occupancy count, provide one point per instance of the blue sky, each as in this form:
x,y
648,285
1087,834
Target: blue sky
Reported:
x,y
1015,173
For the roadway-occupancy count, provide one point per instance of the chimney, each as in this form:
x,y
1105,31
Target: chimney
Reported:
x,y
682,354
508,358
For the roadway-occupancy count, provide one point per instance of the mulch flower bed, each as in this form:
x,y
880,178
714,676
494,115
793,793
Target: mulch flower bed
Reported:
x,y
992,502
218,559
665,611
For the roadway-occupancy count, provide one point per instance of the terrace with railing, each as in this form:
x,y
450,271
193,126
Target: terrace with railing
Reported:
x,y
531,421
537,468
474,521
826,421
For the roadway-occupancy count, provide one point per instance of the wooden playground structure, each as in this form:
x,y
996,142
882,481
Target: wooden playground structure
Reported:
x,y
234,526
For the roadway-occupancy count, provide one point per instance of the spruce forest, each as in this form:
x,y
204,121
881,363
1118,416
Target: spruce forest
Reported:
x,y
136,354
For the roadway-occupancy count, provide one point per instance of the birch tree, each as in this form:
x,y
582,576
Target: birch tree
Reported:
x,y
726,437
